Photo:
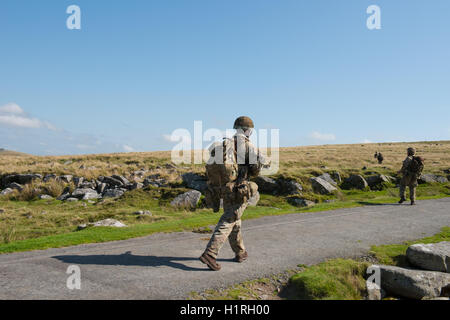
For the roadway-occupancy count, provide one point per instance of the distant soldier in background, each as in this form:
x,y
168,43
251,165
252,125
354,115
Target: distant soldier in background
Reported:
x,y
380,158
411,171
235,161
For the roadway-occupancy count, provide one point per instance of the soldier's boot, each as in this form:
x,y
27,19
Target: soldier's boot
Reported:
x,y
241,257
210,262
413,203
402,199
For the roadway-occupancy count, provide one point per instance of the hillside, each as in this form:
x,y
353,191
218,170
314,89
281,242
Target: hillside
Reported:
x,y
4,152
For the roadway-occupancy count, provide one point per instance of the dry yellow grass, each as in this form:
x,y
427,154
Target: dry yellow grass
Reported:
x,y
294,161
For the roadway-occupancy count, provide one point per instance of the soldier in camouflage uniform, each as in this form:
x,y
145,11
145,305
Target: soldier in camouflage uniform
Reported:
x,y
408,179
235,198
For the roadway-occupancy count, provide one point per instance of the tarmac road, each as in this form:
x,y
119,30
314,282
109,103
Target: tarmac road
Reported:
x,y
166,266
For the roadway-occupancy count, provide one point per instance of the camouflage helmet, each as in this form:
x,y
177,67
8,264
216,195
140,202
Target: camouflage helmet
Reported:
x,y
243,123
411,151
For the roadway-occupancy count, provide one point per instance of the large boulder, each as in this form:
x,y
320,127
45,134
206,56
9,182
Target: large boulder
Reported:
x,y
378,181
6,192
321,186
413,284
112,181
103,223
289,187
280,186
355,181
336,176
194,181
187,200
266,184
328,178
433,256
20,178
121,179
134,186
77,181
113,193
85,194
15,186
67,178
432,178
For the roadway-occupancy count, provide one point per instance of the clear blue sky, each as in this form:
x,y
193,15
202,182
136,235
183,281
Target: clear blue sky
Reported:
x,y
137,70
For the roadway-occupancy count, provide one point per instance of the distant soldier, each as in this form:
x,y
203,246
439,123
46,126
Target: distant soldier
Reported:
x,y
380,158
234,162
411,171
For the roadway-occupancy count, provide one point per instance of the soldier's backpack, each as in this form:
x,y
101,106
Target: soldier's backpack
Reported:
x,y
221,169
416,166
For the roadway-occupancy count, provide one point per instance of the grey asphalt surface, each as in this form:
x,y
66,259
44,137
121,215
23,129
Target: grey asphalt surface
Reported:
x,y
166,266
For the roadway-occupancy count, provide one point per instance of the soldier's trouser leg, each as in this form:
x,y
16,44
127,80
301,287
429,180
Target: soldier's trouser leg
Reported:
x,y
229,226
235,238
402,191
220,235
412,192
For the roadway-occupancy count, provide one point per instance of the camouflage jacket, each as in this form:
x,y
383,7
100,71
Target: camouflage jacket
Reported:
x,y
249,158
406,162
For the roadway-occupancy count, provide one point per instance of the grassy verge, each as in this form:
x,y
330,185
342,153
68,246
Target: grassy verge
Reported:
x,y
336,279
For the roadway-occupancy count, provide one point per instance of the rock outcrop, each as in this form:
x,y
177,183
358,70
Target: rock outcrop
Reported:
x,y
321,186
433,256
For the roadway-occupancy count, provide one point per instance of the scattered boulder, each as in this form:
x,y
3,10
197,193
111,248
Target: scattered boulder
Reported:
x,y
188,199
49,177
71,199
66,178
355,181
378,182
143,213
266,184
336,176
300,202
45,197
113,193
85,194
194,181
101,187
15,186
6,192
111,181
327,178
77,181
20,178
134,186
280,186
321,186
64,196
433,256
289,187
121,179
413,284
432,178
103,223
